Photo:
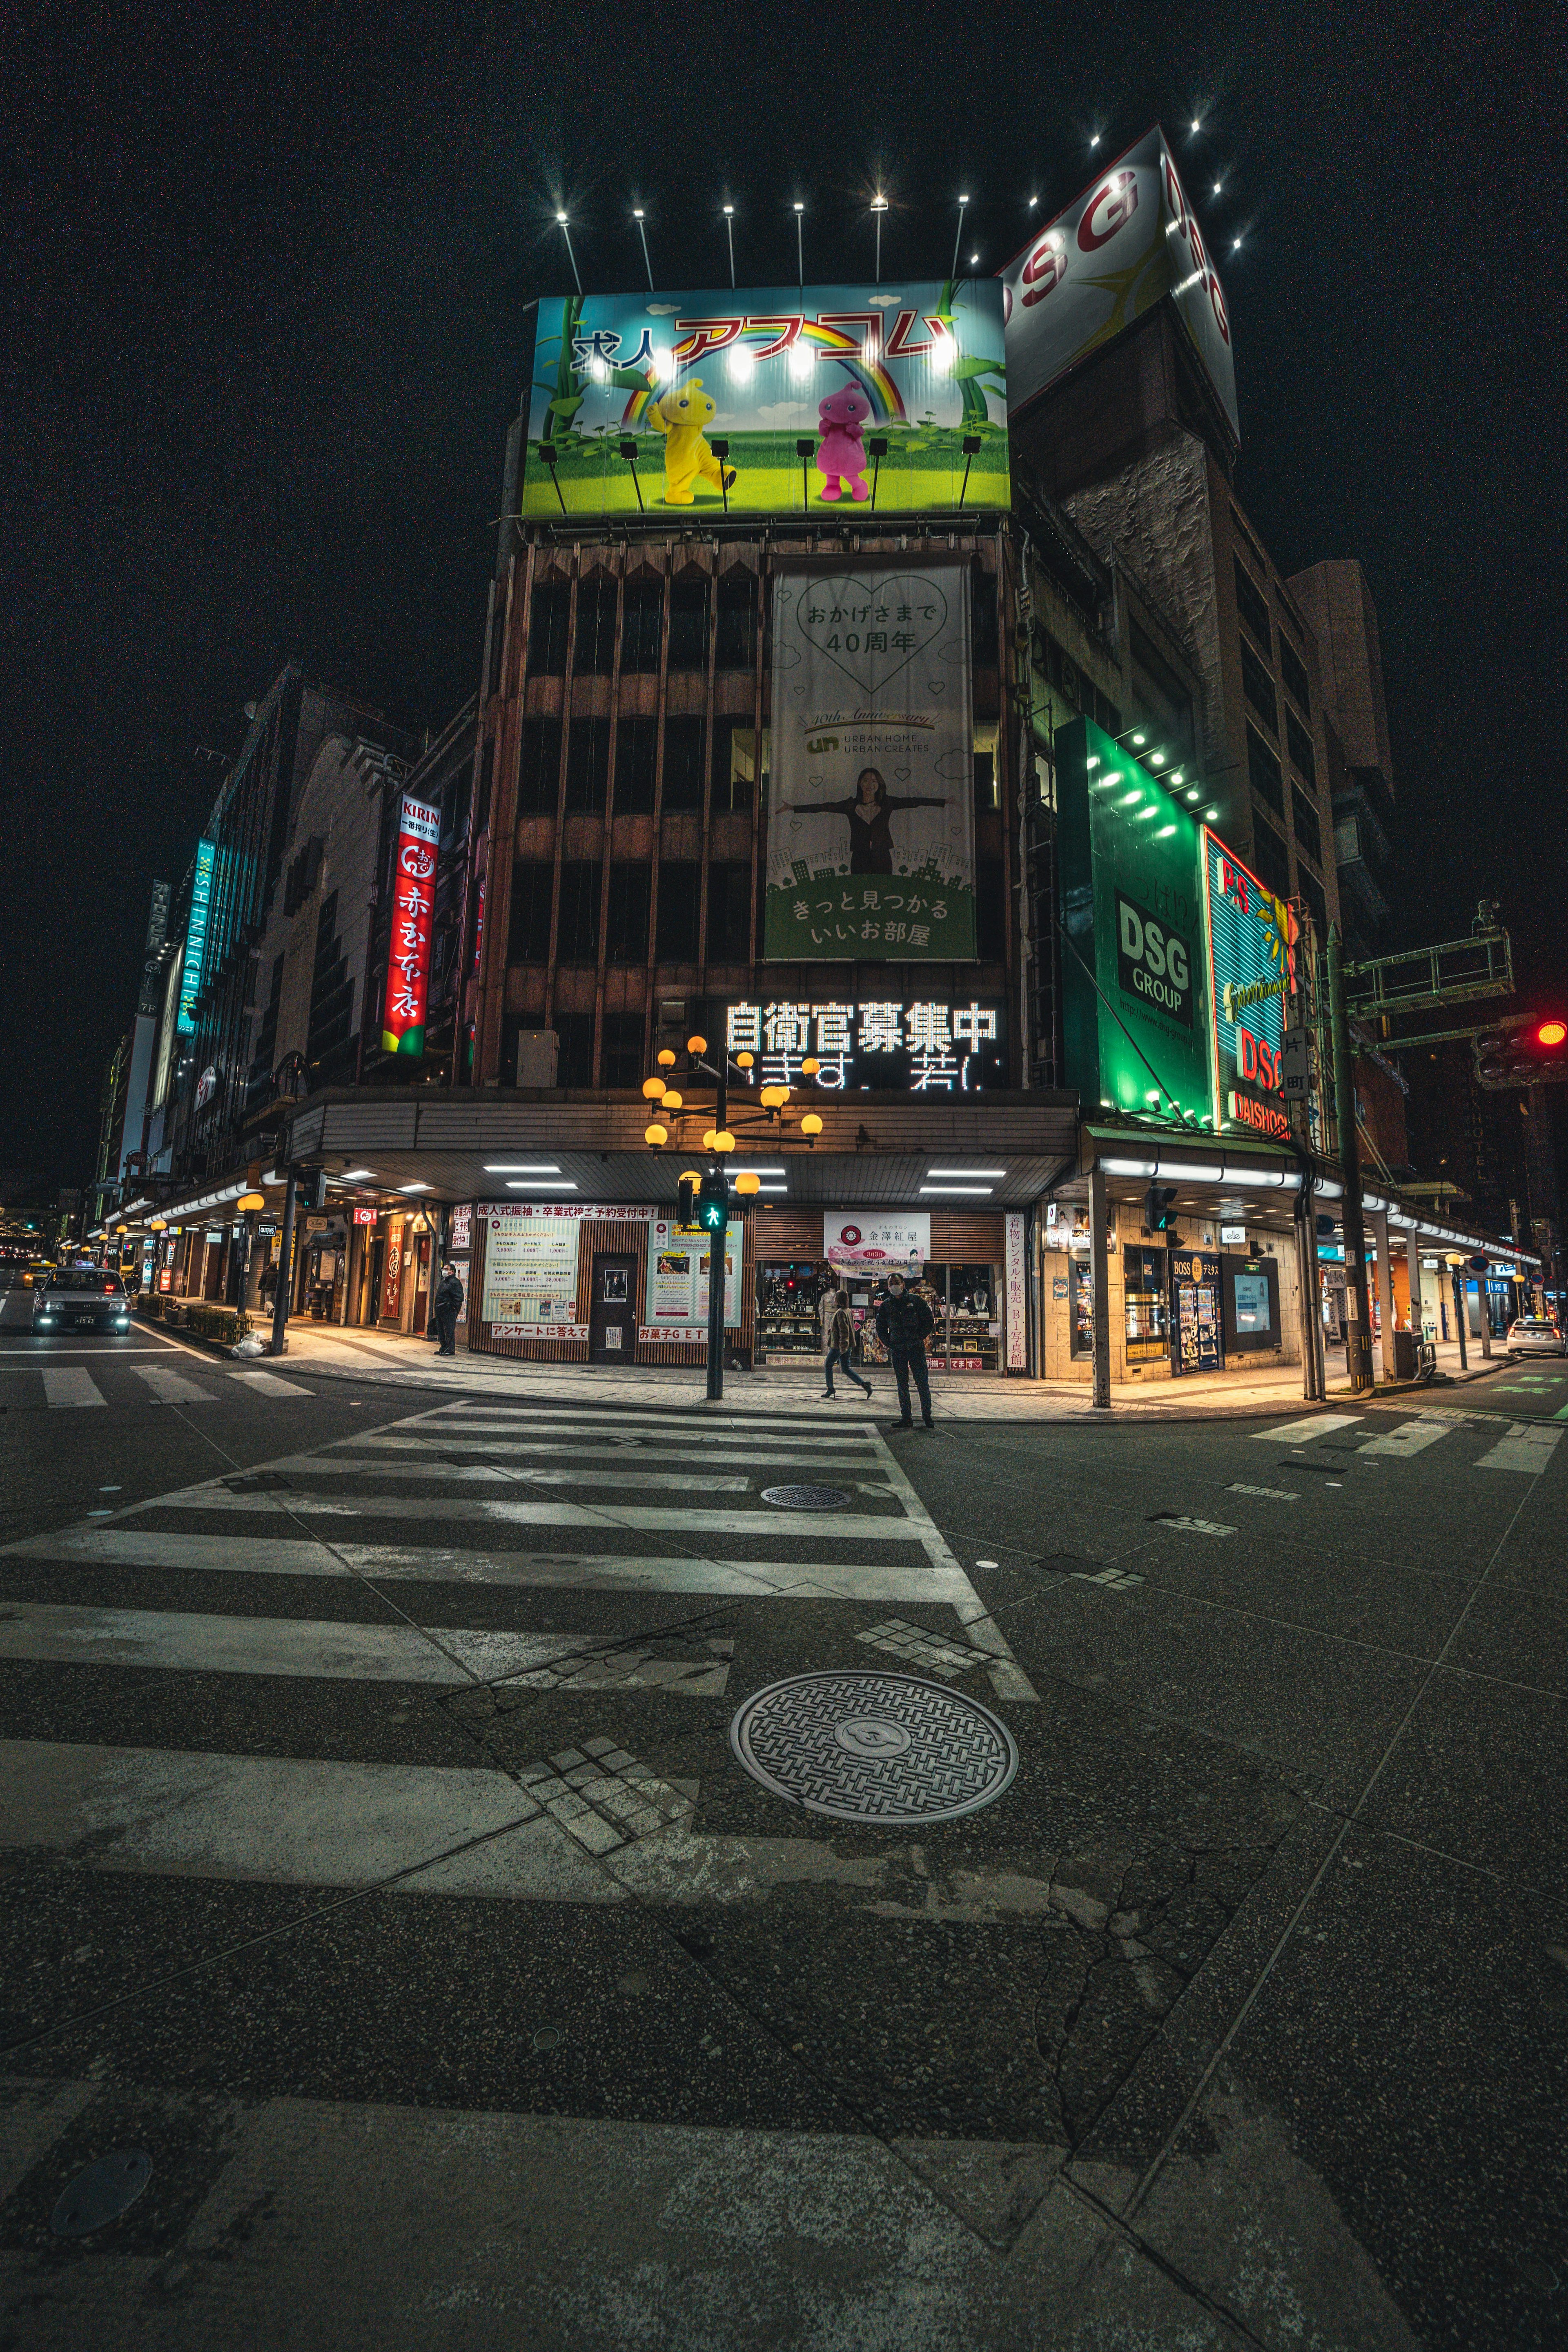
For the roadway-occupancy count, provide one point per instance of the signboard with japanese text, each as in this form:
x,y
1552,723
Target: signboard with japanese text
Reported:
x,y
871,826
1127,242
890,1241
675,1302
641,402
530,1274
1016,1291
459,1229
195,937
1252,961
412,911
1133,954
921,1046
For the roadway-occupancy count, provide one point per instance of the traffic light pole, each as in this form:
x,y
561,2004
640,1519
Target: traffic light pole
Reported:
x,y
716,1260
1358,1318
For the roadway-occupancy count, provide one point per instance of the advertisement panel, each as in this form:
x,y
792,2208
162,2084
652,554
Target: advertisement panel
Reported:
x,y
917,1045
195,937
871,832
413,912
1251,938
1129,240
773,400
530,1274
1134,964
675,1296
889,1241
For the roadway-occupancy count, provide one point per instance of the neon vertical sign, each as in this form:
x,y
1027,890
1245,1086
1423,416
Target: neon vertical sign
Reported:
x,y
196,938
413,908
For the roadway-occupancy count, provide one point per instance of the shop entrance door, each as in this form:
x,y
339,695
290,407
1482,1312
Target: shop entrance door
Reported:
x,y
421,1283
612,1325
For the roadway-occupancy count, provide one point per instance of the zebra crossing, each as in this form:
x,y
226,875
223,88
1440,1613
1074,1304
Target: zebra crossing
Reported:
x,y
1525,1446
54,1385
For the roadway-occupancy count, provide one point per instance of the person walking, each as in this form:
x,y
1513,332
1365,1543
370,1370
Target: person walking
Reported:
x,y
903,1320
445,1309
839,1340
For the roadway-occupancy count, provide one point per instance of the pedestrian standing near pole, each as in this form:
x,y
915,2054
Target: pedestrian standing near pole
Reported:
x,y
903,1320
838,1342
445,1309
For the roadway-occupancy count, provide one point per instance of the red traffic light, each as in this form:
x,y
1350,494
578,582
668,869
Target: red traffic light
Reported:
x,y
1551,1033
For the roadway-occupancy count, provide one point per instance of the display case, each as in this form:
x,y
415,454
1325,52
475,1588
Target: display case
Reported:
x,y
789,1319
1148,1309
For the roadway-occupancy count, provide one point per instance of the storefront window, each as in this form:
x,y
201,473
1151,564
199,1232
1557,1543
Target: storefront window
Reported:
x,y
788,1299
1148,1305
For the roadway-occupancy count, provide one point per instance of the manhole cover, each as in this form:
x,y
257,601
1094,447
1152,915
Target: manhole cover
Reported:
x,y
805,1498
883,1747
101,2192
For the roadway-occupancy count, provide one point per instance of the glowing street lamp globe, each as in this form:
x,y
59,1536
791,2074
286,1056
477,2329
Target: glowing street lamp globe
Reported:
x,y
653,1089
655,1134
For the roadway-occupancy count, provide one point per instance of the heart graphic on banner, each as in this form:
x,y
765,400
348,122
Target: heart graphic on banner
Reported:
x,y
875,606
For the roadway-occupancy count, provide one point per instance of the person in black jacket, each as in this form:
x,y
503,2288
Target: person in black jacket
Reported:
x,y
903,1318
445,1309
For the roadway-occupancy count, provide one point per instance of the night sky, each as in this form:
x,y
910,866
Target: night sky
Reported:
x,y
262,279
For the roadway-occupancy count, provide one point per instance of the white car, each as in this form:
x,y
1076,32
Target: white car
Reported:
x,y
1534,1335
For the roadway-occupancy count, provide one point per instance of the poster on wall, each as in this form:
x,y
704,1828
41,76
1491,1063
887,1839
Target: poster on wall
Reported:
x,y
1197,1343
1252,963
676,1295
871,828
530,1274
413,913
887,1241
641,402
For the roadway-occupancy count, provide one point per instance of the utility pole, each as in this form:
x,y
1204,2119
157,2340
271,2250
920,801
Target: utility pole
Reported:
x,y
1358,1317
285,1269
714,1211
1099,1285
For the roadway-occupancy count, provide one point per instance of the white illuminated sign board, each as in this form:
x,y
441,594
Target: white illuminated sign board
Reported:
x,y
917,1045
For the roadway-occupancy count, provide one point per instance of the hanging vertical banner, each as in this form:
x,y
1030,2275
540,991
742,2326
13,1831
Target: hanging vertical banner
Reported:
x,y
196,937
413,908
1252,963
872,833
1016,1294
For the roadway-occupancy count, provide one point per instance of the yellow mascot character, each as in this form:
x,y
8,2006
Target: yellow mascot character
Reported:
x,y
681,417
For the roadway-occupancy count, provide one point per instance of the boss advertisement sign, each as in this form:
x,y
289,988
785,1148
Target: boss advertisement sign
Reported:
x,y
1252,961
1118,248
1134,969
773,400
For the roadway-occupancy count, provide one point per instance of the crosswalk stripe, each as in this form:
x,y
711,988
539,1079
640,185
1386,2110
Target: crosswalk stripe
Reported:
x,y
1410,1437
743,1428
270,1384
69,1384
122,1547
171,1388
322,1649
1529,1446
642,1450
1316,1425
650,1519
510,1473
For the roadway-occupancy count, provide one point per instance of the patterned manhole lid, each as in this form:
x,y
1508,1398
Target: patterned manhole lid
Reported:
x,y
101,2192
805,1498
869,1746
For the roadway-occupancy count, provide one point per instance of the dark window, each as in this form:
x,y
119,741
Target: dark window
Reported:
x,y
486,770
1294,675
1259,687
637,765
574,1065
578,939
983,619
587,766
679,882
538,767
733,759
1252,604
1248,541
737,624
990,910
622,1056
1300,746
984,781
729,913
1264,769
683,763
627,932
642,627
528,933
332,993
266,1035
1105,715
1316,904
1268,858
1304,817
595,651
689,625
547,621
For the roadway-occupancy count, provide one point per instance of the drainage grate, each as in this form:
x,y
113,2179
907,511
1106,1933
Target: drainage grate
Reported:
x,y
101,2193
874,1748
805,1498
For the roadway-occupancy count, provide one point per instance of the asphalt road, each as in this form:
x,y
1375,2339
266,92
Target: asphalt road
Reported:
x,y
377,1859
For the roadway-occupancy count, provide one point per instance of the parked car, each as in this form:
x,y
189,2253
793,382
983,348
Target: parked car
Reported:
x,y
80,1298
36,1273
1535,1334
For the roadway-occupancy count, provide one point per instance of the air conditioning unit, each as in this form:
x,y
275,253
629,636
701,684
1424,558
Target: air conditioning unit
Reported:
x,y
538,1053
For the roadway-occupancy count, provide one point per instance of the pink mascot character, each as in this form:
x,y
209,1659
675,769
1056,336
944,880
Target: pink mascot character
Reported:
x,y
841,456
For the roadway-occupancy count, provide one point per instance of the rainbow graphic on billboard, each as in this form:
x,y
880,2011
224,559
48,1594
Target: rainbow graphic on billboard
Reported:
x,y
769,400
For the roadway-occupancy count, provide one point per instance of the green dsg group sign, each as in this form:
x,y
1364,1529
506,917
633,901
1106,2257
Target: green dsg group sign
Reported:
x,y
1134,970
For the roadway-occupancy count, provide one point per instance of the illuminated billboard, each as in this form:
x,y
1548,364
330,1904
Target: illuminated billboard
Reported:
x,y
413,912
773,400
196,937
1252,963
1127,242
1134,964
